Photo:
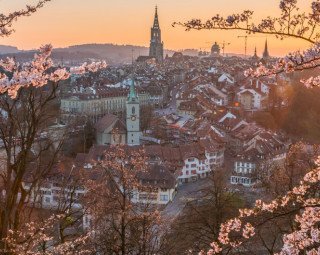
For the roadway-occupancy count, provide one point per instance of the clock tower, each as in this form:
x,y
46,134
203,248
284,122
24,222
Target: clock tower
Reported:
x,y
133,117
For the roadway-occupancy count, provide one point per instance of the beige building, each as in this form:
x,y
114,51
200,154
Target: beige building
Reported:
x,y
95,104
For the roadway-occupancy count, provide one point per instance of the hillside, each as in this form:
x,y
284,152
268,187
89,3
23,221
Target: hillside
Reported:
x,y
113,54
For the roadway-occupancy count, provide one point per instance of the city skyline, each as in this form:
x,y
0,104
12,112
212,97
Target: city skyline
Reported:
x,y
72,24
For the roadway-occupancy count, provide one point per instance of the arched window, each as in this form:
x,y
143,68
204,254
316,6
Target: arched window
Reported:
x,y
133,110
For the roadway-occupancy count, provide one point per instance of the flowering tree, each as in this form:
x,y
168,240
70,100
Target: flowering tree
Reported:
x,y
121,225
27,92
303,237
39,239
301,203
291,23
6,21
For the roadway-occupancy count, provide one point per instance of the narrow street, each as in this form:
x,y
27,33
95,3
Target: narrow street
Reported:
x,y
186,192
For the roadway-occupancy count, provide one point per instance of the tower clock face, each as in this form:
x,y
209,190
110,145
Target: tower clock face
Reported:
x,y
133,117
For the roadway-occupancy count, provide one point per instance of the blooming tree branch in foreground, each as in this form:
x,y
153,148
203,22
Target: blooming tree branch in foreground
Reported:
x,y
303,201
290,24
37,72
6,21
39,238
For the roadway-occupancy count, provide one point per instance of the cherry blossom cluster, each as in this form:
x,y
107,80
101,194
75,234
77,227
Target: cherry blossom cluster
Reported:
x,y
306,237
290,23
88,67
36,73
38,238
296,61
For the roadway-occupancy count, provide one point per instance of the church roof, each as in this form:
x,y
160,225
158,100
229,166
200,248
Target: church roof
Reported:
x,y
119,127
105,122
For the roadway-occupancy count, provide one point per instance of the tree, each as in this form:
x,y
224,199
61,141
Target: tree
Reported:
x,y
291,23
121,225
302,204
6,21
146,117
30,152
200,220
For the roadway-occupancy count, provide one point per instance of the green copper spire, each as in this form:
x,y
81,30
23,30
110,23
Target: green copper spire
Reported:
x,y
132,94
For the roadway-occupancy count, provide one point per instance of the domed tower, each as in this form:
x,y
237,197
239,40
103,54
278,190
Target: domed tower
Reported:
x,y
255,57
215,50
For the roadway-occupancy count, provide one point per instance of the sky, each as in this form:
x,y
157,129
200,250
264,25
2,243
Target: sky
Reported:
x,y
69,22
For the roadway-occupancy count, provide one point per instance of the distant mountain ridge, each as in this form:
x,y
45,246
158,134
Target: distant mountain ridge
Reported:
x,y
5,49
112,53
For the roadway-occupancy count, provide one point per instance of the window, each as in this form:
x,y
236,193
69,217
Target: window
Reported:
x,y
133,110
164,197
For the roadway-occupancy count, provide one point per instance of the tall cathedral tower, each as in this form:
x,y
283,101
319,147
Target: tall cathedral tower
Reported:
x,y
156,45
133,117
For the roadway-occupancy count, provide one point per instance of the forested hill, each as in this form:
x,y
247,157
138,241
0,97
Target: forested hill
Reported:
x,y
114,54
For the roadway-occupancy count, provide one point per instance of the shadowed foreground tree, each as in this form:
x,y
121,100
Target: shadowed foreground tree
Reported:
x,y
200,221
280,177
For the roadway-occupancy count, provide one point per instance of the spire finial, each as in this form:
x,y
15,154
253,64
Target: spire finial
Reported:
x,y
156,19
266,51
255,52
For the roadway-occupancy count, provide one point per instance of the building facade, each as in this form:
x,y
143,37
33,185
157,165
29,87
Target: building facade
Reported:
x,y
96,105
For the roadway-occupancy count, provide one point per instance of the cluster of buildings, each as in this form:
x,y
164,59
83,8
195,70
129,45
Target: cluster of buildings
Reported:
x,y
203,119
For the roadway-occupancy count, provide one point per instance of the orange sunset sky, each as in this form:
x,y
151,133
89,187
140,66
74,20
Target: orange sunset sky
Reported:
x,y
69,22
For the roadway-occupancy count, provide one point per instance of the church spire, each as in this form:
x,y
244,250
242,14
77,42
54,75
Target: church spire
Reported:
x,y
255,53
266,51
156,45
132,94
156,19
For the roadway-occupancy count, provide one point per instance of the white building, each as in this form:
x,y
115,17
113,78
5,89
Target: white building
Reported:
x,y
250,99
226,78
243,172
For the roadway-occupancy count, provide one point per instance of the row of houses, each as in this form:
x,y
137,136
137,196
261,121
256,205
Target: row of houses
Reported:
x,y
252,147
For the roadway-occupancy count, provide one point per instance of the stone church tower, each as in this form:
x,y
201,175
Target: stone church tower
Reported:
x,y
156,45
133,117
